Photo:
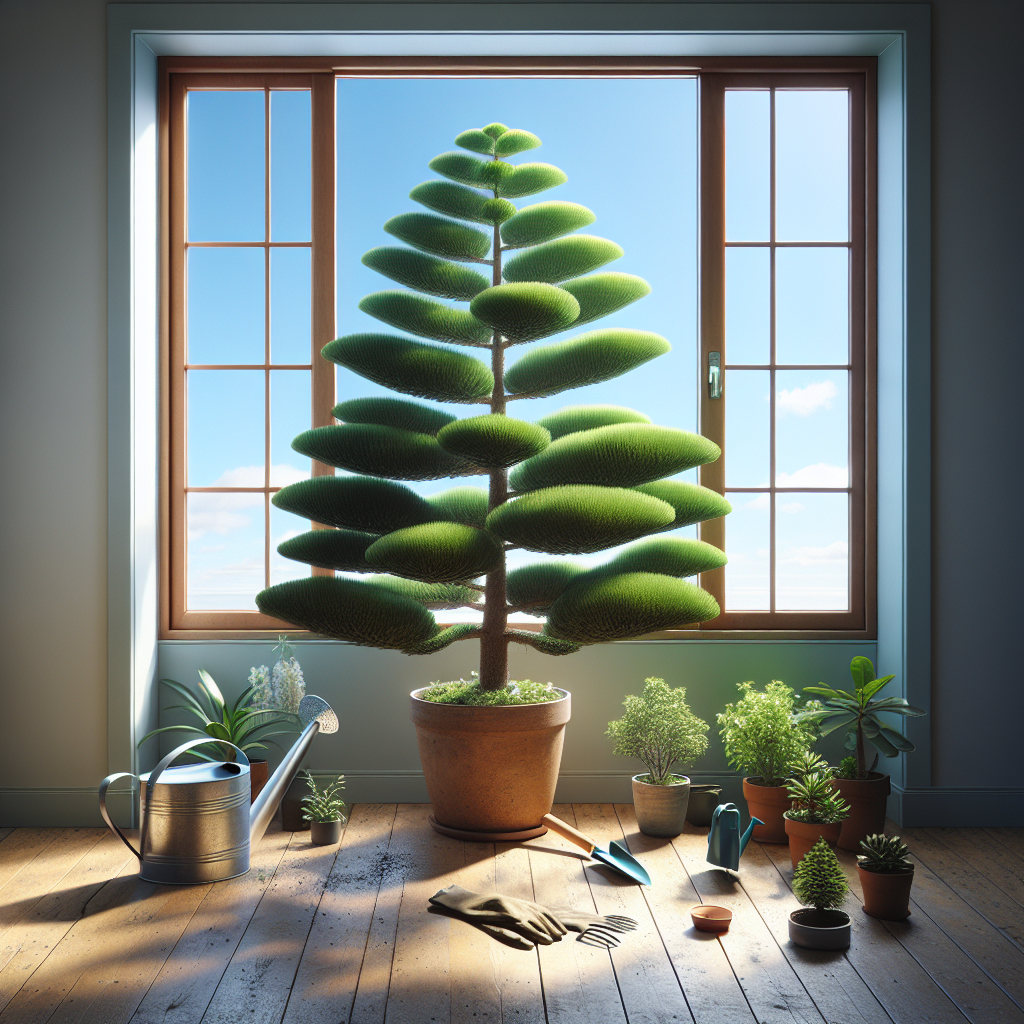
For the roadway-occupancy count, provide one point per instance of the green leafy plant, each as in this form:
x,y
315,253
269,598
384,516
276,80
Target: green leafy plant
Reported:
x,y
760,736
847,768
884,854
659,729
581,480
469,693
859,713
240,723
818,880
325,804
815,799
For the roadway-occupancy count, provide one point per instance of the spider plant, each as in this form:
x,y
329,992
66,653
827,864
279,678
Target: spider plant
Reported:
x,y
239,723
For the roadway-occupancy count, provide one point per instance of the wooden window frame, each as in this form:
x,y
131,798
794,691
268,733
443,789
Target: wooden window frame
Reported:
x,y
178,74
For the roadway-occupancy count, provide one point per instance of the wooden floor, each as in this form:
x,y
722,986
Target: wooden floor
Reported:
x,y
314,934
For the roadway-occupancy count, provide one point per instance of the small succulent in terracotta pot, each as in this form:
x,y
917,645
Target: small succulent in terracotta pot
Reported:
x,y
817,811
886,877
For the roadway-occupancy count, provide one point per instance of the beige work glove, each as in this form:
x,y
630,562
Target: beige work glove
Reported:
x,y
517,923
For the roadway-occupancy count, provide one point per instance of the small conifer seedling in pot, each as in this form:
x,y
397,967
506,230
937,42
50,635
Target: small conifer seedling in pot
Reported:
x,y
820,885
578,481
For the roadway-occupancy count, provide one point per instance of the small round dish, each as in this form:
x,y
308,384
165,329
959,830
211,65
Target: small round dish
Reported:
x,y
711,919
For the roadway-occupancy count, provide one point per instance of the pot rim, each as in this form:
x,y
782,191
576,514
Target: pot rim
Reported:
x,y
886,874
872,777
333,821
812,824
684,781
415,695
820,927
749,781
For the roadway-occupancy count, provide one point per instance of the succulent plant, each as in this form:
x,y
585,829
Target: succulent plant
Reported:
x,y
884,854
579,481
818,880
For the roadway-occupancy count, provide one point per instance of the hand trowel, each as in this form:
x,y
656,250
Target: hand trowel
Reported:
x,y
616,856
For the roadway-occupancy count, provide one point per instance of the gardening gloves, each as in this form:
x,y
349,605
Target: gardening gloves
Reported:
x,y
520,923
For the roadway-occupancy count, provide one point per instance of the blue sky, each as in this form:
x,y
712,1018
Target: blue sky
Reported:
x,y
629,148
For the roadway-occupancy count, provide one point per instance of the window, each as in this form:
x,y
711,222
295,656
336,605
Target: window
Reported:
x,y
231,415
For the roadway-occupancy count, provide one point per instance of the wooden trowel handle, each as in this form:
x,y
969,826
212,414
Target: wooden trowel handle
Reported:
x,y
568,832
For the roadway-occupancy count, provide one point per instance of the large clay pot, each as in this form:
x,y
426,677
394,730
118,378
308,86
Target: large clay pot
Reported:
x,y
866,798
886,893
768,803
661,810
490,771
820,929
700,807
803,835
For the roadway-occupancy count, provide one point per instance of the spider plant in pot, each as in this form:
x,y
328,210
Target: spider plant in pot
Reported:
x,y
762,741
581,480
324,810
817,811
886,877
820,885
240,723
660,730
859,713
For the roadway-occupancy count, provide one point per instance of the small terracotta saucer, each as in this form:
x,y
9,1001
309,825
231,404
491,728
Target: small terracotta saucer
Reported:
x,y
711,919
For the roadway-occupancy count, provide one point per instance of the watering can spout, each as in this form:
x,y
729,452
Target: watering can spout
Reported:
x,y
319,717
745,838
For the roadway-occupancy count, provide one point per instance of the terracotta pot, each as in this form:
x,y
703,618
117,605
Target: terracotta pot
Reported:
x,y
886,893
257,776
768,803
661,810
700,808
820,929
802,836
866,798
325,833
490,771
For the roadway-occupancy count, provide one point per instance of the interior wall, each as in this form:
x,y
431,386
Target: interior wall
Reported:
x,y
53,420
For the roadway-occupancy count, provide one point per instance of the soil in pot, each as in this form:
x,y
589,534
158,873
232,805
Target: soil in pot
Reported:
x,y
490,771
257,776
325,833
866,798
700,808
661,810
768,803
820,929
803,835
886,893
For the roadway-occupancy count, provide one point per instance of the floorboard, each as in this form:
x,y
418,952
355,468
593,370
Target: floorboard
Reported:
x,y
346,935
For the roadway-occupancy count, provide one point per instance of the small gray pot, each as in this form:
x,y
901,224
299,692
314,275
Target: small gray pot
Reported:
x,y
820,929
661,810
325,833
704,798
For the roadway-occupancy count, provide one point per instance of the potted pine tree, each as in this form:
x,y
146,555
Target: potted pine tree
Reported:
x,y
659,729
819,884
581,480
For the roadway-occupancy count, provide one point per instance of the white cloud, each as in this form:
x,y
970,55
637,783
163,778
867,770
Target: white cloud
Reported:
x,y
252,476
804,401
821,474
837,551
791,507
224,513
760,504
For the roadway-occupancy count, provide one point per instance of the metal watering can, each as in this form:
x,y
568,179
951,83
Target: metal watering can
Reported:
x,y
725,844
197,824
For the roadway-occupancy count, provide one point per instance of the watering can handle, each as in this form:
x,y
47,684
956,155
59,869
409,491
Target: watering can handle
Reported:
x,y
104,786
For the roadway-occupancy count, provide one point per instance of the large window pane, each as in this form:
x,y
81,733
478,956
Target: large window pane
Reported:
x,y
226,308
225,166
226,425
747,533
747,166
748,305
812,305
225,550
812,428
290,298
747,428
290,178
812,166
289,415
812,552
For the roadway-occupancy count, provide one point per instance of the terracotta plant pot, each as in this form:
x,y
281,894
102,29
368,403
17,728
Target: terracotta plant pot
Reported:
x,y
866,798
768,803
886,893
325,833
257,776
661,810
820,929
707,918
700,808
490,771
802,836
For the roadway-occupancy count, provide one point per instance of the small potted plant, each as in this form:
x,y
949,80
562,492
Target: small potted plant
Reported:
x,y
659,729
859,713
762,741
325,811
886,877
817,811
242,723
820,885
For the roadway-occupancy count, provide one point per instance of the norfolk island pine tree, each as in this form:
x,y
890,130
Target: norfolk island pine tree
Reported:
x,y
582,480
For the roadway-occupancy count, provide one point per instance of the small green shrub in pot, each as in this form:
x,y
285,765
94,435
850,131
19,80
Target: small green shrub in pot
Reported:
x,y
886,877
325,810
820,884
659,729
817,809
762,741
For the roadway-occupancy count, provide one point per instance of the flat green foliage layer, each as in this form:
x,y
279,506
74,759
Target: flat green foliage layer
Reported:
x,y
818,880
469,693
476,272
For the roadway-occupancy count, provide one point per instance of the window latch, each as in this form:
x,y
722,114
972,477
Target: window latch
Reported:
x,y
714,375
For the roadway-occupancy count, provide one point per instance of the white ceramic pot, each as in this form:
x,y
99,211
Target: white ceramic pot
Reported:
x,y
820,929
661,810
